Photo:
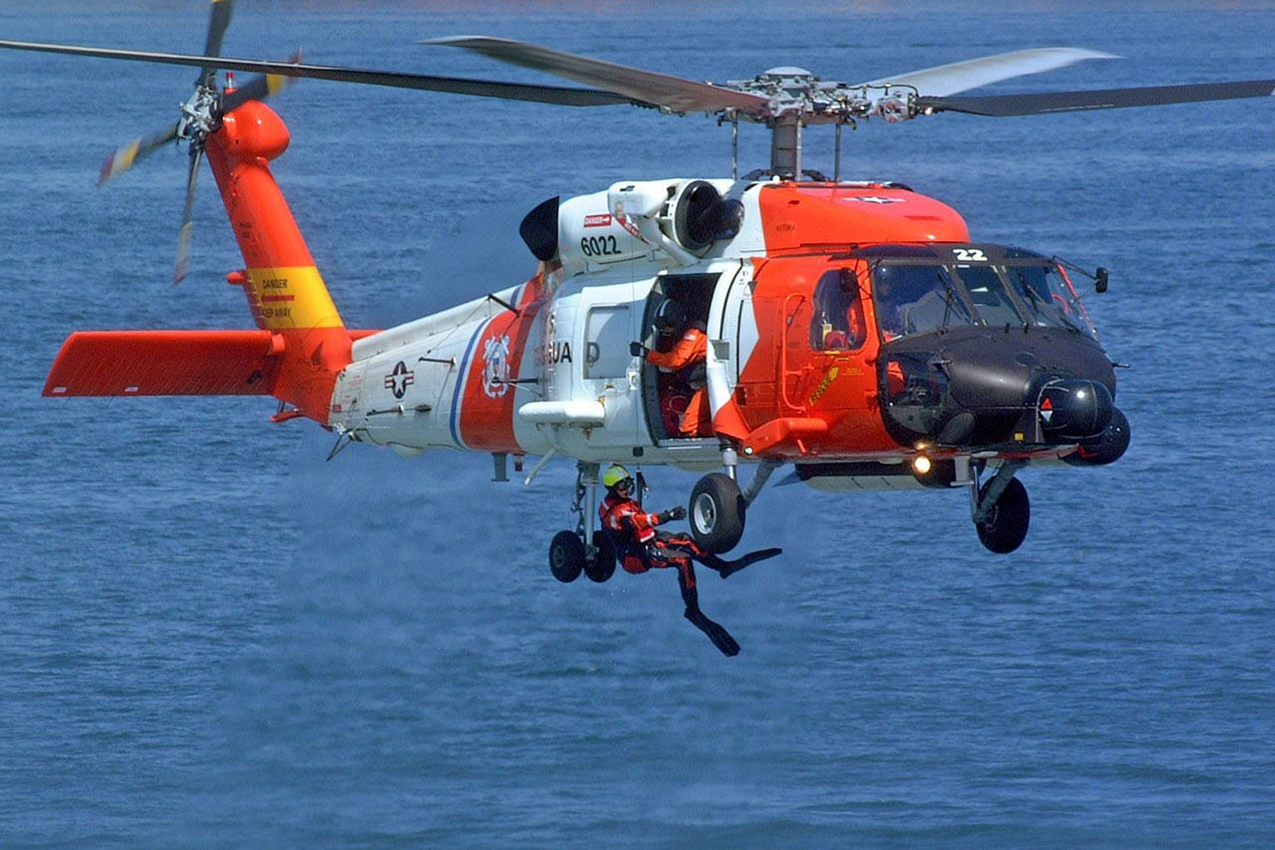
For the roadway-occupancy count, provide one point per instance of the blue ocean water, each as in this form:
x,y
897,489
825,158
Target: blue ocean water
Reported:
x,y
210,635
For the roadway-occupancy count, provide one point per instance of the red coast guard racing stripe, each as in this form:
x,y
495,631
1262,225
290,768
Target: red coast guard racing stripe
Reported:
x,y
483,410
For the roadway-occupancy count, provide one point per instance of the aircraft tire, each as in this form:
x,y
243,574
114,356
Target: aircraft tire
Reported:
x,y
602,566
1005,527
566,556
716,513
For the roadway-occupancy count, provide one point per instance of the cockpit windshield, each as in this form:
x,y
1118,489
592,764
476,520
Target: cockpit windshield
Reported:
x,y
917,298
1049,297
987,291
915,294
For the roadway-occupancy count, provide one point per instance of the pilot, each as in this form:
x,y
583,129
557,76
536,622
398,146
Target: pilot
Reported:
x,y
642,548
887,286
839,325
685,359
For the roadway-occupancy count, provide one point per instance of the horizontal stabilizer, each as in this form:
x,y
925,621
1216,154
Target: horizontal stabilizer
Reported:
x,y
121,363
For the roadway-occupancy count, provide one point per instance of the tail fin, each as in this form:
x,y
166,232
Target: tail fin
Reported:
x,y
285,291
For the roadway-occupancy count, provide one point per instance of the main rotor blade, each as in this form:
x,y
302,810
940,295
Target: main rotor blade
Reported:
x,y
218,20
559,95
126,156
260,87
673,93
1072,101
188,217
973,73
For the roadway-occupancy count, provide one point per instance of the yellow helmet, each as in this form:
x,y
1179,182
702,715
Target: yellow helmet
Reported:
x,y
614,475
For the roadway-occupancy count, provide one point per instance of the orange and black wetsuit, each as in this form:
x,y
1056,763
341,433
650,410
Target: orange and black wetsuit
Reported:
x,y
687,353
642,548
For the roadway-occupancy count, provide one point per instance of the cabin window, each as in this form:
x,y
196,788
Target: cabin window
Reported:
x,y
837,323
608,332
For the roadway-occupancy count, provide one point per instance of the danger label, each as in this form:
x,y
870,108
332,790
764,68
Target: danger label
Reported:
x,y
599,220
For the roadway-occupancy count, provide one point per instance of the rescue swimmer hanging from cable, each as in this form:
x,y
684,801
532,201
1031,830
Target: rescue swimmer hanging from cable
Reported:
x,y
850,329
640,547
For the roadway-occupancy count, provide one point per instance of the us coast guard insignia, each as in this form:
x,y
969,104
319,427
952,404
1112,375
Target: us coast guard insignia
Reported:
x,y
496,366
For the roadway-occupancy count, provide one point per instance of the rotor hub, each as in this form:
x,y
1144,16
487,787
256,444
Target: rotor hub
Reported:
x,y
200,114
786,71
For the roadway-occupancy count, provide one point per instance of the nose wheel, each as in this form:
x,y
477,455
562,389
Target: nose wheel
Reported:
x,y
1002,512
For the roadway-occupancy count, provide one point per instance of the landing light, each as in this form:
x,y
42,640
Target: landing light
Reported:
x,y
921,465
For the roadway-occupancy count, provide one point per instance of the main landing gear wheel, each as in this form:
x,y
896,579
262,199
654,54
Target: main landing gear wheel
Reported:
x,y
716,513
566,556
567,559
602,567
1005,526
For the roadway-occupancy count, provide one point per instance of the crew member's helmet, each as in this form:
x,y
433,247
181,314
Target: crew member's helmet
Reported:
x,y
669,316
616,475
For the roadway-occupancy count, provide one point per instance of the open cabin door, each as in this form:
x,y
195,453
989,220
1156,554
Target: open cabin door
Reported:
x,y
668,394
732,332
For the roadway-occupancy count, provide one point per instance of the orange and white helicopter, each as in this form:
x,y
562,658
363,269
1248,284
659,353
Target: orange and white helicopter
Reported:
x,y
854,329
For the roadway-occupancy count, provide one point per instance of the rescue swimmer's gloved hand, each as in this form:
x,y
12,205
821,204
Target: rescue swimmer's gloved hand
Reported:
x,y
637,349
671,514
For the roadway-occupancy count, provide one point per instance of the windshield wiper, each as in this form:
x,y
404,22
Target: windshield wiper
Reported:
x,y
947,300
1043,306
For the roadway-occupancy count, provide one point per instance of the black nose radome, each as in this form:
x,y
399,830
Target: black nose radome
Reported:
x,y
979,386
1074,409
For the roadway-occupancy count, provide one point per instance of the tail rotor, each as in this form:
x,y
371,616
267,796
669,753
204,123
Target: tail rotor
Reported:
x,y
201,116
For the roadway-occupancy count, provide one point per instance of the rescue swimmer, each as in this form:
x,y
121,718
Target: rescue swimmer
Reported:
x,y
641,548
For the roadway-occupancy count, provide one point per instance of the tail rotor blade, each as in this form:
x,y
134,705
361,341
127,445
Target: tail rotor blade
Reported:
x,y
218,20
260,87
126,156
188,217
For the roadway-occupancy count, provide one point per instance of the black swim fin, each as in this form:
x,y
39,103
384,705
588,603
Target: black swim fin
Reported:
x,y
726,568
716,633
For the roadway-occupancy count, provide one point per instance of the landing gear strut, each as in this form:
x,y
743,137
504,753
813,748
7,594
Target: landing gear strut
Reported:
x,y
1001,510
585,549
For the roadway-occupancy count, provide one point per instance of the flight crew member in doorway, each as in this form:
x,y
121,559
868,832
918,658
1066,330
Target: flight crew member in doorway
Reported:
x,y
685,359
642,548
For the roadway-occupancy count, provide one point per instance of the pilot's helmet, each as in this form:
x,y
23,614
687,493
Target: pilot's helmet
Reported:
x,y
669,316
884,279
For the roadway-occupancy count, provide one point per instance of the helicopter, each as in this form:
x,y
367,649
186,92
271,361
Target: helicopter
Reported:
x,y
854,329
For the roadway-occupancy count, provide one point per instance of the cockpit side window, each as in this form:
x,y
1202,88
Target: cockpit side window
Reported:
x,y
837,323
